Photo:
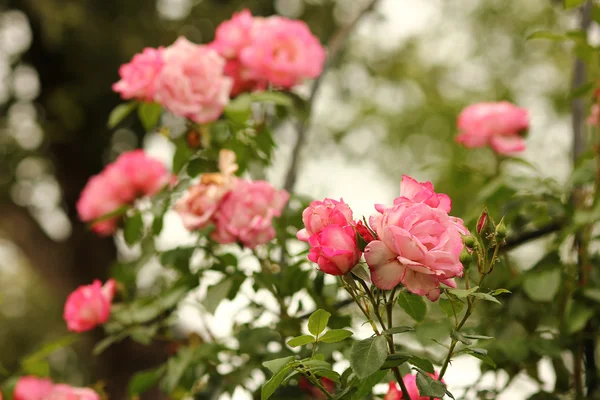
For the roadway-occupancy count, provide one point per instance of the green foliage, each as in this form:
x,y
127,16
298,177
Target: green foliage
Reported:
x,y
149,114
120,112
413,305
368,355
317,322
430,387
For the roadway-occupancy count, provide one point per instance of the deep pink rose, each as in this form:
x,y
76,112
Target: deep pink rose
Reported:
x,y
334,249
422,192
500,125
192,83
284,52
246,213
138,77
363,231
66,392
410,381
243,80
320,214
233,35
201,201
418,245
132,175
32,388
89,305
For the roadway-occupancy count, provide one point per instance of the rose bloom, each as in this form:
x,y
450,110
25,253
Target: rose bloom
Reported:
x,y
243,79
138,77
410,381
132,175
419,246
66,392
192,83
320,214
422,192
201,201
284,52
32,388
246,213
89,306
334,249
500,125
233,35
594,117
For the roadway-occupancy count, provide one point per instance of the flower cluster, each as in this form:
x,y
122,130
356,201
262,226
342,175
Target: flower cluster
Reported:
x,y
34,388
414,242
410,381
500,125
131,176
196,81
241,210
89,306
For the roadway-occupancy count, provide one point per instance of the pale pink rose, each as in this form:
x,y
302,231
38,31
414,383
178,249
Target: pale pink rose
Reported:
x,y
66,392
138,77
499,125
334,249
246,213
233,35
594,117
89,306
32,388
320,214
410,381
418,246
132,175
422,192
192,83
201,201
284,52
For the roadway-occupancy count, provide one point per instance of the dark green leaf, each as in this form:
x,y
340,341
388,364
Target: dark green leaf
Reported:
x,y
393,360
578,315
107,342
216,294
450,395
413,305
422,363
301,340
429,387
317,322
365,387
120,112
143,381
149,115
486,297
134,228
178,258
335,335
368,355
478,337
176,367
272,384
483,357
277,364
398,329
582,90
446,306
182,154
460,337
329,374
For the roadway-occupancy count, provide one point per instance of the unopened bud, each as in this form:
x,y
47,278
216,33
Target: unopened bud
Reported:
x,y
482,221
469,241
465,257
501,230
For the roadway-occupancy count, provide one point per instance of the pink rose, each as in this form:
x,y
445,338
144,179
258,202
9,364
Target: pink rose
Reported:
x,y
334,249
363,231
66,392
233,35
594,117
410,381
422,192
284,52
132,175
89,305
139,76
418,245
201,201
32,388
246,213
243,80
501,125
320,214
192,83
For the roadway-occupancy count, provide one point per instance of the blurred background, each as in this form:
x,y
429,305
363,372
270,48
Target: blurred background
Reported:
x,y
387,107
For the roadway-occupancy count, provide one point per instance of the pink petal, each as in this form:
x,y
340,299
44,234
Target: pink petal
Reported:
x,y
507,144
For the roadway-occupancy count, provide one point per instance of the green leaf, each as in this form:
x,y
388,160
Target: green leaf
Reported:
x,y
573,3
394,360
120,112
143,381
478,337
277,364
272,384
178,258
446,306
317,322
547,35
483,357
456,335
301,340
413,305
215,294
277,98
499,292
134,228
486,297
429,387
365,387
149,114
577,317
543,285
592,293
182,154
582,90
238,110
398,329
422,363
367,356
107,342
176,367
335,335
330,374
37,368
463,293
50,347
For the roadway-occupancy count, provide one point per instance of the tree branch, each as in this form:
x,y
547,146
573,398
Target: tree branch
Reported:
x,y
335,45
513,242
